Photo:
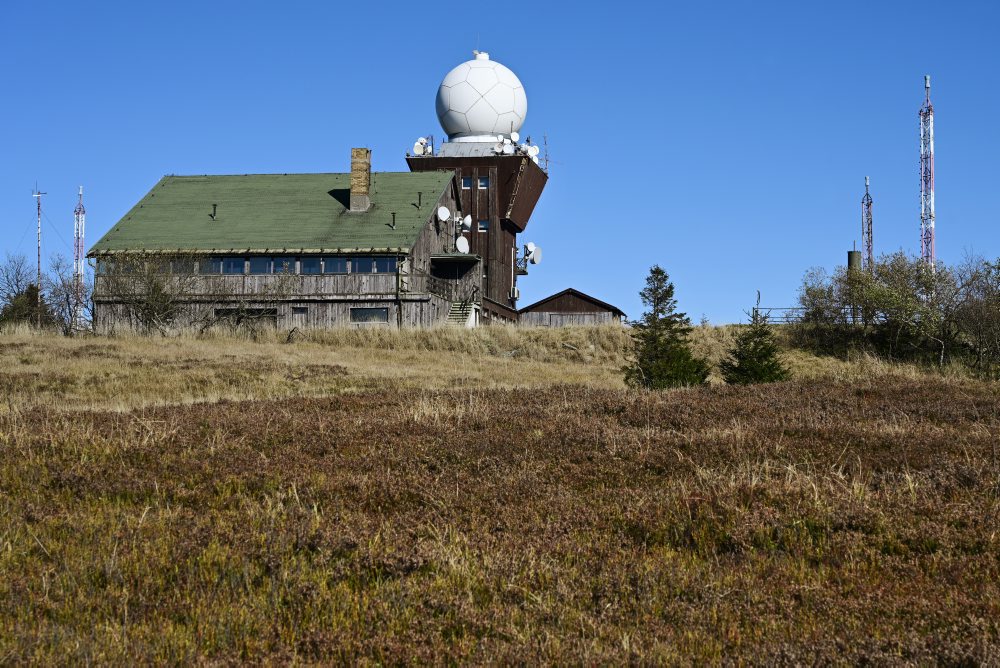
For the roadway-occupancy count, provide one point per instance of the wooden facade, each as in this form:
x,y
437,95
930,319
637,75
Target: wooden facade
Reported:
x,y
570,307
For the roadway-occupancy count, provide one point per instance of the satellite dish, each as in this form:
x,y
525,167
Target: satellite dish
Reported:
x,y
498,148
418,149
514,136
536,256
467,223
462,245
422,141
508,149
500,138
533,151
530,247
443,214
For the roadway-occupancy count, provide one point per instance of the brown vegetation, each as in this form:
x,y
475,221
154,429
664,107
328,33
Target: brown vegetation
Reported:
x,y
527,516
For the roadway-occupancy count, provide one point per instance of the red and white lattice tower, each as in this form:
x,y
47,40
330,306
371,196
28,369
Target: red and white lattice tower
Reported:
x,y
927,250
866,230
79,261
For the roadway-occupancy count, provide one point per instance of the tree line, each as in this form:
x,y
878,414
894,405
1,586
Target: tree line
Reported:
x,y
902,309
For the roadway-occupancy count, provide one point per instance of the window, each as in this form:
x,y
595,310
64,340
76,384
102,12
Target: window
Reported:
x,y
300,310
309,265
466,183
335,265
232,265
378,314
385,265
284,265
362,265
484,226
210,265
484,182
260,265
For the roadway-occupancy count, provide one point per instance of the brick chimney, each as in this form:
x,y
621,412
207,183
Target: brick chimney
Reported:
x,y
361,178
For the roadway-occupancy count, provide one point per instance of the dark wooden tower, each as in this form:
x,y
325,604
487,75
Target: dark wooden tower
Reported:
x,y
500,193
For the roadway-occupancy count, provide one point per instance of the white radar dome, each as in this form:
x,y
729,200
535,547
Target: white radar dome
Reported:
x,y
481,99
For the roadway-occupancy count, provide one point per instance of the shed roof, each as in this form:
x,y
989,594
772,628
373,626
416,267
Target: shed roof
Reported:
x,y
575,293
276,212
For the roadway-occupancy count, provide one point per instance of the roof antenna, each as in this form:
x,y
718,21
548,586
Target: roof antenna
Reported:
x,y
420,198
393,224
214,209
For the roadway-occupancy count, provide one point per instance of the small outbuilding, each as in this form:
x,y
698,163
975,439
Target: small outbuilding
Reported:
x,y
569,307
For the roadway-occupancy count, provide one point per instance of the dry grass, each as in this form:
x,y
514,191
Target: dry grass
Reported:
x,y
536,512
124,373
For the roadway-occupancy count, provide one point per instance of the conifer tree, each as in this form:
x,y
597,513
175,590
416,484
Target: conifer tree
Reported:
x,y
663,357
23,307
754,356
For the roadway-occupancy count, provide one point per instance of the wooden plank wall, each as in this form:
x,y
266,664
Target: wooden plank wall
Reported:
x,y
426,311
557,319
570,303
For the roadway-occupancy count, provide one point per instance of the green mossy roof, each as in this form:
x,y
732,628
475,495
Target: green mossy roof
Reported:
x,y
276,212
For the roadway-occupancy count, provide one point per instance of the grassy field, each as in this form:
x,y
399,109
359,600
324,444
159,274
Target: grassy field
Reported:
x,y
486,496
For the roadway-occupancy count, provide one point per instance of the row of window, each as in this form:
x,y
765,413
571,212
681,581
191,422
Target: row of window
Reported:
x,y
482,183
256,264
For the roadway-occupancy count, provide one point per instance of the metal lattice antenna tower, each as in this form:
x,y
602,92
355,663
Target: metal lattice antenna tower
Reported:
x,y
38,281
866,230
927,249
79,261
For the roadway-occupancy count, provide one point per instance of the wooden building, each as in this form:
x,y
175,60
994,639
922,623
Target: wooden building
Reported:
x,y
323,250
570,307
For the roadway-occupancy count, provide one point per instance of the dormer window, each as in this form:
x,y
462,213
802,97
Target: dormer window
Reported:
x,y
484,226
466,183
484,182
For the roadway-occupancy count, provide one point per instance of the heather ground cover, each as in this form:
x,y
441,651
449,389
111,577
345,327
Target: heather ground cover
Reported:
x,y
824,519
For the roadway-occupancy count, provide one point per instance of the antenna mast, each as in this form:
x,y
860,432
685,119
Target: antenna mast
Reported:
x,y
866,230
927,249
38,281
79,266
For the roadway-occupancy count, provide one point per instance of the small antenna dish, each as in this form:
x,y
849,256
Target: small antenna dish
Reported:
x,y
508,149
534,159
500,138
443,214
536,256
422,141
514,136
530,247
498,148
533,151
418,149
467,223
462,245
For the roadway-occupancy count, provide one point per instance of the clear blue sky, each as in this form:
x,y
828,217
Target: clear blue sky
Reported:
x,y
726,141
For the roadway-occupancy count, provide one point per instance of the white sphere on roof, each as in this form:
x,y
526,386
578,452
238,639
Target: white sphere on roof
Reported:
x,y
481,99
